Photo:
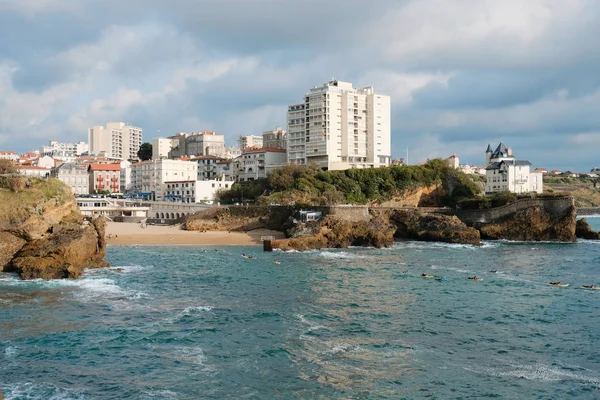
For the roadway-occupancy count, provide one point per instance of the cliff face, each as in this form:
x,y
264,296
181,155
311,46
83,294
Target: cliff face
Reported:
x,y
43,235
532,224
433,227
584,231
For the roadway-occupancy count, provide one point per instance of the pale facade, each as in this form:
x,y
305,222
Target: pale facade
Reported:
x,y
104,178
453,161
64,151
197,144
195,191
250,141
116,140
276,138
505,173
74,176
149,177
161,147
339,127
207,167
8,155
34,171
256,164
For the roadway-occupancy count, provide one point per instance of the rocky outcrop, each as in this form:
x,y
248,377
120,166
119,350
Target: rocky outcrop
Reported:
x,y
584,231
332,232
241,219
532,224
65,253
45,236
432,227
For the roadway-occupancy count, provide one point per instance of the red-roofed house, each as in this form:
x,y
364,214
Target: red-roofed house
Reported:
x,y
104,177
556,172
34,170
542,170
8,155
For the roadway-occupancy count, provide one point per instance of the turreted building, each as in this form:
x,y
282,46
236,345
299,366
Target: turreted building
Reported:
x,y
505,173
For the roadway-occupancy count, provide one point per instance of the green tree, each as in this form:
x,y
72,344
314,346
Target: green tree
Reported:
x,y
145,152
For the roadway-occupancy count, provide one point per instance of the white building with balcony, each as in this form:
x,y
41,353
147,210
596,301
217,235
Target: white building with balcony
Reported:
x,y
148,177
339,127
250,141
505,173
256,163
67,152
195,191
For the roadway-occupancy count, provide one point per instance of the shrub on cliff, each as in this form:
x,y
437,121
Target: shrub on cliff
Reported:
x,y
301,183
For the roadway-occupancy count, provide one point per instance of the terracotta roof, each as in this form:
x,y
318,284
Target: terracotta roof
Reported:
x,y
7,152
33,167
105,167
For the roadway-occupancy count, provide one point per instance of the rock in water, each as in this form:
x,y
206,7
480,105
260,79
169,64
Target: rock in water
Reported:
x,y
64,254
584,231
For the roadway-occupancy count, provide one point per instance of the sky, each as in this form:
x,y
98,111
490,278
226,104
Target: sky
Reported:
x,y
460,73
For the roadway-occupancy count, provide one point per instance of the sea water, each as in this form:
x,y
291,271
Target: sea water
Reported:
x,y
193,322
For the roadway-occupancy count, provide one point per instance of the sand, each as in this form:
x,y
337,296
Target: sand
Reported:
x,y
130,233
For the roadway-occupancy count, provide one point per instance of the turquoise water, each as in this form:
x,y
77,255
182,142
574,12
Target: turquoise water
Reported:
x,y
181,323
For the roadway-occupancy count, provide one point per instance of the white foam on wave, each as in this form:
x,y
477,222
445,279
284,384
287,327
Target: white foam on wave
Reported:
x,y
341,347
42,391
10,352
193,355
160,394
187,312
450,269
338,254
538,372
311,326
432,245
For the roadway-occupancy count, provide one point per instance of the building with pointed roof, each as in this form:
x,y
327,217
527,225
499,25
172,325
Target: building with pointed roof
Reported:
x,y
505,173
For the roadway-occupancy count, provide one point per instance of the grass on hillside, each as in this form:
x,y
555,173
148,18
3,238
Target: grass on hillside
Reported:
x,y
15,205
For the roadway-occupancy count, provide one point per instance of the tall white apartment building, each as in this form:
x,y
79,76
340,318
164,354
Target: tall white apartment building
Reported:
x,y
339,127
116,140
149,177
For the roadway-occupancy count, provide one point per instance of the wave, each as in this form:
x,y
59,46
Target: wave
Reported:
x,y
338,254
432,245
311,326
451,269
538,372
42,391
188,311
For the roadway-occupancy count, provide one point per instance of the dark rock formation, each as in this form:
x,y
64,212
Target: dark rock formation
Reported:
x,y
532,224
332,232
44,236
584,231
432,227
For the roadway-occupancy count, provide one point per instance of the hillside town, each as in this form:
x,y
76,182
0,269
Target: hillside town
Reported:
x,y
336,127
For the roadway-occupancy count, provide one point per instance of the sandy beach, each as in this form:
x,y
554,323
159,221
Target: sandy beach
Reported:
x,y
126,233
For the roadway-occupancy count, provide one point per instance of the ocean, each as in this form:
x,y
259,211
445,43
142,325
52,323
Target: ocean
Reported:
x,y
199,322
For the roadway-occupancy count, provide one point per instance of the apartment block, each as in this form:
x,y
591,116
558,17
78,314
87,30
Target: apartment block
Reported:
x,y
256,163
195,191
197,144
116,140
250,141
148,177
161,147
67,152
73,175
339,127
276,138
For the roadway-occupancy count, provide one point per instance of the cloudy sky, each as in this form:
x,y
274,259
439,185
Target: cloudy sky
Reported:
x,y
461,73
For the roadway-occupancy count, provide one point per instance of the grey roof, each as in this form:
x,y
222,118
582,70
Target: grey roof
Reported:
x,y
501,151
489,149
522,162
497,165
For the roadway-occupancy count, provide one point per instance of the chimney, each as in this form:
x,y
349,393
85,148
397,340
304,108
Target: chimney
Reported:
x,y
509,151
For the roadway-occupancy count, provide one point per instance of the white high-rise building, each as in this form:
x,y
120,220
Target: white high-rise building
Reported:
x,y
339,127
116,140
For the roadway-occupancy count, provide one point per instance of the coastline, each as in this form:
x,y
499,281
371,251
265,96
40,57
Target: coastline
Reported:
x,y
118,233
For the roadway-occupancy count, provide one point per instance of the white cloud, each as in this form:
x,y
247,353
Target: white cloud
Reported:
x,y
401,86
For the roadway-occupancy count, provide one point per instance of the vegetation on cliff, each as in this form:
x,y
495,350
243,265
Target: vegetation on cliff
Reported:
x,y
299,184
42,233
